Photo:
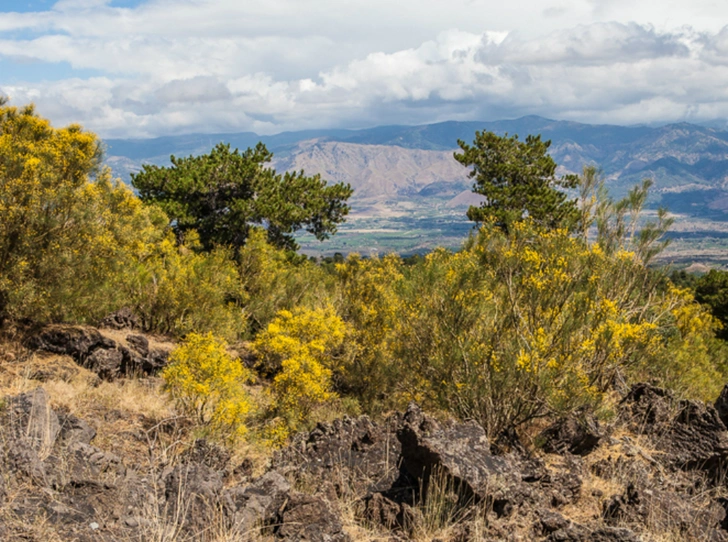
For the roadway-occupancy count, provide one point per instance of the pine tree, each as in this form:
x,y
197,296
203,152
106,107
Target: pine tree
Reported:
x,y
518,179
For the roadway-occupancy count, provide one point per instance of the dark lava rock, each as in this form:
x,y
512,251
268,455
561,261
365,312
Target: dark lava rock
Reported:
x,y
74,429
363,453
550,521
94,458
667,511
104,356
207,453
32,421
259,503
155,361
646,406
108,363
121,319
193,491
613,534
379,510
458,451
138,343
31,429
578,533
75,341
393,516
721,405
689,433
309,518
578,435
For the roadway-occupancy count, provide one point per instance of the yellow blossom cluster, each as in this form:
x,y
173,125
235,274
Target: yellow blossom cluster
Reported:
x,y
302,348
209,385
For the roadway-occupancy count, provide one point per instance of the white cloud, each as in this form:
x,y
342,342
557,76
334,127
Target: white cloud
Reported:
x,y
224,65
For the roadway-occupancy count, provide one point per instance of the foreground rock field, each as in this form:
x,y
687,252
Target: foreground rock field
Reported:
x,y
91,451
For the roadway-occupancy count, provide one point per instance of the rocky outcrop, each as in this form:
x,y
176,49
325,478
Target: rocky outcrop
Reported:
x,y
121,319
690,435
578,435
363,454
460,452
310,518
401,476
100,354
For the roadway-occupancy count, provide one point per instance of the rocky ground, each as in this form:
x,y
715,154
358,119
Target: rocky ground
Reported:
x,y
90,451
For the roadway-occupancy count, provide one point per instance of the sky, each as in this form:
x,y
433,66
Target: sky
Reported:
x,y
147,68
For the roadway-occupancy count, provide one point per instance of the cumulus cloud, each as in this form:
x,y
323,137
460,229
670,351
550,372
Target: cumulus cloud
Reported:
x,y
198,65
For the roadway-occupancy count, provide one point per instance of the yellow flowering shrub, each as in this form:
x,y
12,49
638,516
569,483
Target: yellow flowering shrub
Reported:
x,y
176,289
302,349
207,384
76,245
538,322
368,300
47,207
273,279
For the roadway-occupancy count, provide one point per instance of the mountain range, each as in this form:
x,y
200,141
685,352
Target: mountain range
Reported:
x,y
409,171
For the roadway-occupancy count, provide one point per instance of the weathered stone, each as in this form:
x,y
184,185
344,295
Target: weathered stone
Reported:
x,y
458,451
155,361
33,421
309,518
138,343
578,533
550,521
689,434
193,491
365,453
107,363
206,453
94,457
578,435
259,503
75,341
74,429
379,510
121,319
103,356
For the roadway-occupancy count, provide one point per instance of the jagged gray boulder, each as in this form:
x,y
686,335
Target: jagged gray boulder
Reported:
x,y
309,518
460,452
73,429
259,503
104,356
689,434
121,319
33,421
365,452
192,491
75,341
575,434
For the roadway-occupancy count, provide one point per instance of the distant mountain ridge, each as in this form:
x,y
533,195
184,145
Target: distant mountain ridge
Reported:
x,y
398,163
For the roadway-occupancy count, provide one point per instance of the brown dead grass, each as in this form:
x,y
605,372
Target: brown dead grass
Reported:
x,y
120,411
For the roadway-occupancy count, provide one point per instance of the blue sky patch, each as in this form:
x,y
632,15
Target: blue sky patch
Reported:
x,y
29,6
19,70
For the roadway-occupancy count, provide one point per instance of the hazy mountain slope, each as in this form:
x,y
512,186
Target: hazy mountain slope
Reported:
x,y
408,184
677,156
379,171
